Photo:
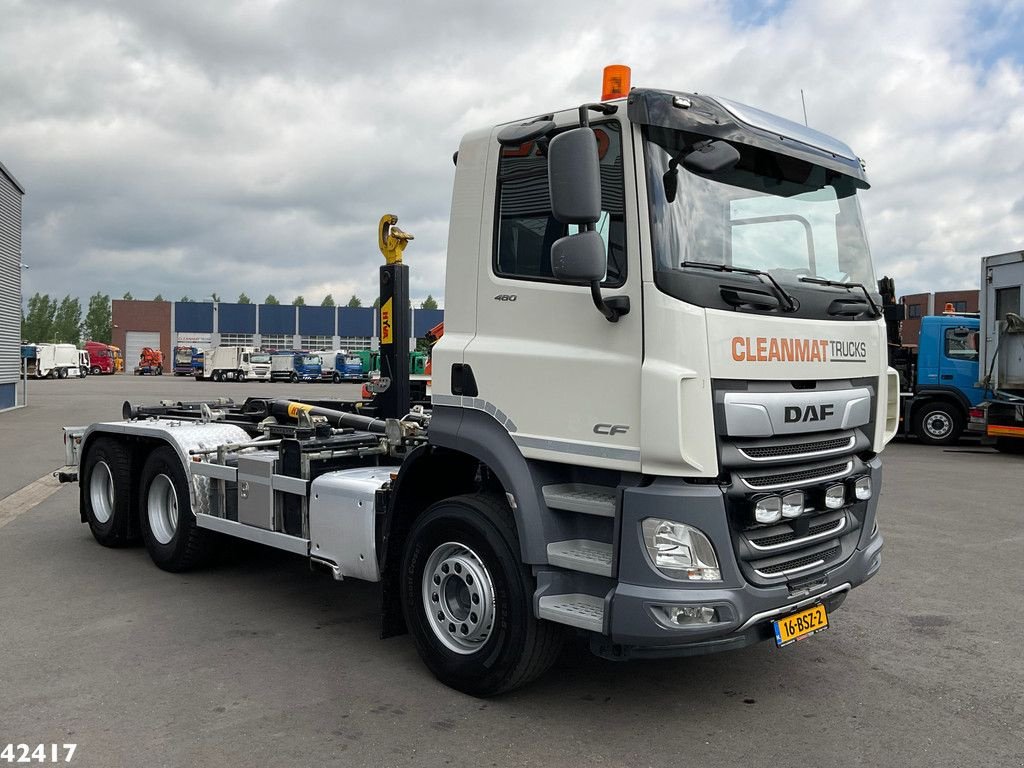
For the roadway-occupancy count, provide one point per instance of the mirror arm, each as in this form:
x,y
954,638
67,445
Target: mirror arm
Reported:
x,y
604,109
612,308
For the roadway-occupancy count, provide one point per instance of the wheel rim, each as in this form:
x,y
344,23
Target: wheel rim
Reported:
x,y
101,492
162,509
458,598
938,424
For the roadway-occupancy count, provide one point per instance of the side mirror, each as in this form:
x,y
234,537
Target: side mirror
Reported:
x,y
574,177
579,258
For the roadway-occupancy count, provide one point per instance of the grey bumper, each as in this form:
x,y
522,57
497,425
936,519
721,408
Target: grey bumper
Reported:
x,y
743,610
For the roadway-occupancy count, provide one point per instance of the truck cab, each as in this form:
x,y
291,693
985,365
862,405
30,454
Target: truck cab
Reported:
x,y
295,366
102,358
183,357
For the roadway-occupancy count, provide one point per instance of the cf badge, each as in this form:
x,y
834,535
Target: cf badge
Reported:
x,y
611,429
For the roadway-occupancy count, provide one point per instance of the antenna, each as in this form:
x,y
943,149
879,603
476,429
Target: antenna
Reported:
x,y
804,103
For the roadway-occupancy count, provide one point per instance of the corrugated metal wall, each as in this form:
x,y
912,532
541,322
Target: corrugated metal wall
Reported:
x,y
10,279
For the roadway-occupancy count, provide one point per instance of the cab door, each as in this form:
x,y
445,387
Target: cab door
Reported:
x,y
958,361
558,376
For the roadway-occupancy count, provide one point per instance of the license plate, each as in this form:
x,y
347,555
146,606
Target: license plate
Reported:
x,y
799,626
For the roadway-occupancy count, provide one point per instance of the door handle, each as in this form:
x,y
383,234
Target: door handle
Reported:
x,y
946,377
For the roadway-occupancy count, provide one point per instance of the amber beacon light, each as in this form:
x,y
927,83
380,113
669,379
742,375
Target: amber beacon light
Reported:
x,y
616,82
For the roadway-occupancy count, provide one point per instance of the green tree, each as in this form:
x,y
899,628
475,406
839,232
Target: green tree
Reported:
x,y
271,299
67,321
37,325
97,324
158,297
185,300
355,301
128,296
243,299
429,303
215,297
328,301
298,301
376,303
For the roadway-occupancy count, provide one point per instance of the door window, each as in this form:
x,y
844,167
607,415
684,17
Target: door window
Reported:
x,y
526,229
961,344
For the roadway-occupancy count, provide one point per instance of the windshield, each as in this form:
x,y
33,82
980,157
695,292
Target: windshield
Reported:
x,y
311,359
183,356
770,212
259,358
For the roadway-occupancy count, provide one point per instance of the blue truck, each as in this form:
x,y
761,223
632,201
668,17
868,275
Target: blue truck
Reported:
x,y
939,378
341,366
294,366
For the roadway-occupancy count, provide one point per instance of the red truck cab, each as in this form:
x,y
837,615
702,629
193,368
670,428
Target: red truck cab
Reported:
x,y
101,357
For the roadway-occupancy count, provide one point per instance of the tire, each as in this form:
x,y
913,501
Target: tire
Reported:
x,y
461,553
1010,445
159,370
294,378
217,376
96,370
174,541
62,373
336,378
240,376
107,492
938,423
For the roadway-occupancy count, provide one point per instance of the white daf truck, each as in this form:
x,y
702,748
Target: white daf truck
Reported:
x,y
235,364
657,411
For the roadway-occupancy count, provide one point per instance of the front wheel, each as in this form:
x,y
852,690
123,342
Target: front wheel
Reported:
x,y
96,370
294,378
173,538
468,598
938,423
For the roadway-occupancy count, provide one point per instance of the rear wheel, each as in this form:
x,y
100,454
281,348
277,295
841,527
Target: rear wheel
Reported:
x,y
159,370
106,496
174,541
336,378
938,423
62,373
468,598
294,378
217,376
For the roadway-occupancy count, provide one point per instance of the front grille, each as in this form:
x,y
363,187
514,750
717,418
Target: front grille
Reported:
x,y
831,525
818,474
800,563
798,449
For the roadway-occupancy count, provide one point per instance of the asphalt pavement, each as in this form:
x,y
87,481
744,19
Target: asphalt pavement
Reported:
x,y
257,661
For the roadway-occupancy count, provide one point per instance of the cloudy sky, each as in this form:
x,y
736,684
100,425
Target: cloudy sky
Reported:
x,y
190,147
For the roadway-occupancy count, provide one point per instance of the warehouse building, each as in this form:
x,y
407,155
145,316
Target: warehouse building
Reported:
x,y
11,193
166,324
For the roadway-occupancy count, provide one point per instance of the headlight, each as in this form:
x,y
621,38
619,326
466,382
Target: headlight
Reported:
x,y
680,551
835,497
862,488
768,509
793,504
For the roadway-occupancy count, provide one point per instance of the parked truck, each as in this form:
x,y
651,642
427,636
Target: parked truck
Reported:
x,y
657,412
1002,349
151,362
51,361
339,365
83,363
183,357
295,366
102,357
236,364
939,376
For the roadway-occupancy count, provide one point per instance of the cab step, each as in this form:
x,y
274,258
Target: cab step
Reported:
x,y
582,555
580,497
576,610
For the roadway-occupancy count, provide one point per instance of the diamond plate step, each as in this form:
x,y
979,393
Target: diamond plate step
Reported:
x,y
583,611
580,497
582,555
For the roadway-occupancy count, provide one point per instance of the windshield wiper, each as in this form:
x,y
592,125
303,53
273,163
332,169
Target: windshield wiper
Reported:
x,y
875,311
788,300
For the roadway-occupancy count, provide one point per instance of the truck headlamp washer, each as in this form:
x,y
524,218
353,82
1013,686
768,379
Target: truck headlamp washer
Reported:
x,y
458,597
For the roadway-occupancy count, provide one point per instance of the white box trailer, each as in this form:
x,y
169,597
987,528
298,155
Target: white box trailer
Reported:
x,y
54,361
1002,343
236,364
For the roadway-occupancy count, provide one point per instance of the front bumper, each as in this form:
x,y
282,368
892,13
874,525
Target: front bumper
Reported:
x,y
744,611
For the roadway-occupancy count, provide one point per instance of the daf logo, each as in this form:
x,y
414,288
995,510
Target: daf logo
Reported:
x,y
795,414
611,429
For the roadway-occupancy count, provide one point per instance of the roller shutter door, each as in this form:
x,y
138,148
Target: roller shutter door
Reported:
x,y
134,342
